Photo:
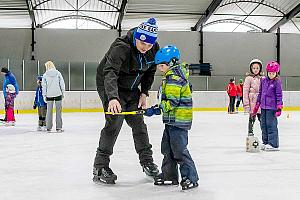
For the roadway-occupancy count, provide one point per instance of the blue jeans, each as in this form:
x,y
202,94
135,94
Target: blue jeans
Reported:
x,y
174,148
268,125
239,100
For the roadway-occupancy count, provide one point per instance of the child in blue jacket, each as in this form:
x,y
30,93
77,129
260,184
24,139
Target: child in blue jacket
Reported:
x,y
41,105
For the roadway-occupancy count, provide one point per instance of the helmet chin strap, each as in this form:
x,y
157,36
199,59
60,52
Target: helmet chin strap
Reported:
x,y
173,62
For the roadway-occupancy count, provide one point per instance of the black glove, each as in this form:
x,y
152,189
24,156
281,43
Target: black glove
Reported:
x,y
34,106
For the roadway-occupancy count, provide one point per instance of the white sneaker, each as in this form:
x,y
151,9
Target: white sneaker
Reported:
x,y
39,128
44,128
11,123
270,148
59,130
262,146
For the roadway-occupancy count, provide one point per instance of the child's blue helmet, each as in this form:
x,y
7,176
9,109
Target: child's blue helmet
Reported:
x,y
167,54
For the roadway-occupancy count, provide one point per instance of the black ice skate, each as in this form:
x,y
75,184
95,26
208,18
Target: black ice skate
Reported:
x,y
160,180
186,184
105,175
150,169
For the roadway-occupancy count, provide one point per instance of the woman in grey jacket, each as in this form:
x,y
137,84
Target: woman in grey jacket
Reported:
x,y
53,85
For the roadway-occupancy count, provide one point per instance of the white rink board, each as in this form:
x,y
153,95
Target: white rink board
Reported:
x,y
91,100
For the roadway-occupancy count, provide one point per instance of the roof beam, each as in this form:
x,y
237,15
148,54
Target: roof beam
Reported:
x,y
40,3
8,8
209,11
245,15
257,2
71,10
121,14
249,14
112,5
30,11
244,23
164,13
286,18
66,17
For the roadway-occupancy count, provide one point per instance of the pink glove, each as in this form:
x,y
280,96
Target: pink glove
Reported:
x,y
255,110
278,112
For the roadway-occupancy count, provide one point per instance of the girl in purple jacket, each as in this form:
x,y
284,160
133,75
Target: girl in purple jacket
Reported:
x,y
270,101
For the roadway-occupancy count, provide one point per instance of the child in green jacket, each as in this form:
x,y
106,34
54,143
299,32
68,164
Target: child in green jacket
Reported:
x,y
176,105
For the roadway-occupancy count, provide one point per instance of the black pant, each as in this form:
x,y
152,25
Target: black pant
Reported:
x,y
113,123
239,100
251,123
231,103
42,115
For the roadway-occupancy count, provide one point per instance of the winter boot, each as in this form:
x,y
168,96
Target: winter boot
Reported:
x,y
105,175
160,180
187,184
150,169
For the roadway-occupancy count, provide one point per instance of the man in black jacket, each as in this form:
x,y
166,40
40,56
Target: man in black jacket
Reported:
x,y
128,64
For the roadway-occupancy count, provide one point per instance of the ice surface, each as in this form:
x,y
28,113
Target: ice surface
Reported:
x,y
58,166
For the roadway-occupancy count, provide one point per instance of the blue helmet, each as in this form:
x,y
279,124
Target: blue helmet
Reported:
x,y
167,54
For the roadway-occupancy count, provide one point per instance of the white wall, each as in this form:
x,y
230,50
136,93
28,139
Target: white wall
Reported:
x,y
15,43
231,53
91,100
290,51
73,45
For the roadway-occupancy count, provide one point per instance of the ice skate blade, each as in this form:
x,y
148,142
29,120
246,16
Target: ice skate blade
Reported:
x,y
149,174
195,185
109,182
270,150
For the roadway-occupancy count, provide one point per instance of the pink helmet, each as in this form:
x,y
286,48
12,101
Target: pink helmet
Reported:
x,y
273,66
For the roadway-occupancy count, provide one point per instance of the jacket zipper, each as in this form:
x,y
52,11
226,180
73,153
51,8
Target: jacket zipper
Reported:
x,y
266,93
141,66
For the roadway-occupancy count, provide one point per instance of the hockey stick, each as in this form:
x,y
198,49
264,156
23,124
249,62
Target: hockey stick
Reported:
x,y
136,112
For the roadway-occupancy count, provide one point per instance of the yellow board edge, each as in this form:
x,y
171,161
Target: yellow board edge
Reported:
x,y
70,110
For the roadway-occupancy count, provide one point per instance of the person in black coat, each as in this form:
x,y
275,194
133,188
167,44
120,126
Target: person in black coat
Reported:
x,y
124,77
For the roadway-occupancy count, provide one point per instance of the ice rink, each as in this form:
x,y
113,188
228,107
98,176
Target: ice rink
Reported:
x,y
55,166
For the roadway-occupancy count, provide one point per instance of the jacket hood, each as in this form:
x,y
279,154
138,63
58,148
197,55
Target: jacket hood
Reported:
x,y
178,70
130,34
51,72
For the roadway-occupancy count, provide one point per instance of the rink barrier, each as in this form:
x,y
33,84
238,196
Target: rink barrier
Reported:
x,y
100,110
89,101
